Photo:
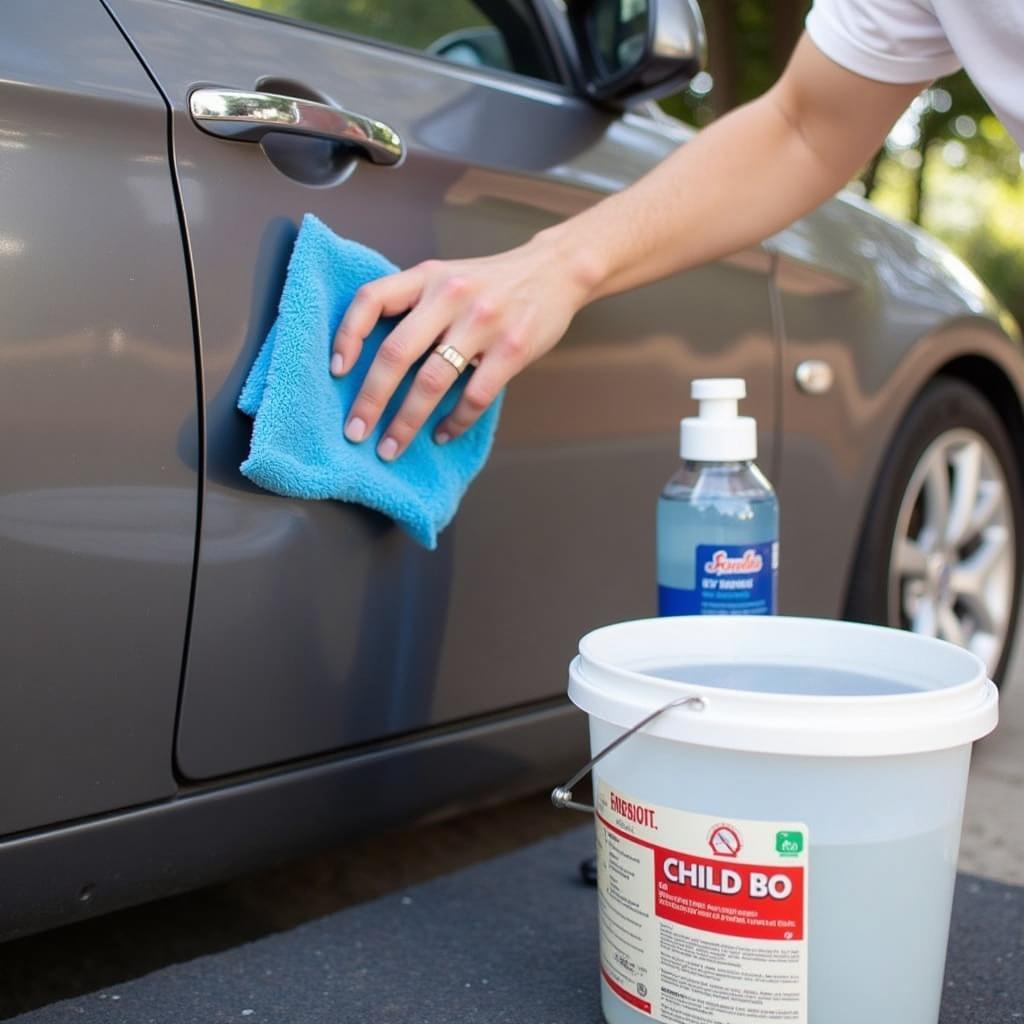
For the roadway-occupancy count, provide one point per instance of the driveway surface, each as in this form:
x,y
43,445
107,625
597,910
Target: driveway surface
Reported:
x,y
993,838
511,940
97,957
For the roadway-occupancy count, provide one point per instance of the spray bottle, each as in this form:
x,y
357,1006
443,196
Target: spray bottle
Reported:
x,y
718,518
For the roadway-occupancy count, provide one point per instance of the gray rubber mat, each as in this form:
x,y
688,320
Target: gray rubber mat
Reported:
x,y
508,941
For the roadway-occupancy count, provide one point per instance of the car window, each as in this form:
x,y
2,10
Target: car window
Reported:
x,y
498,34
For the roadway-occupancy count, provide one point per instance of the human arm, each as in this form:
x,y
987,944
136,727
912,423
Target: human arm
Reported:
x,y
742,179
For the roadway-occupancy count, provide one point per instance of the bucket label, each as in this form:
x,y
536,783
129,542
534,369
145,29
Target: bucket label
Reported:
x,y
732,579
703,919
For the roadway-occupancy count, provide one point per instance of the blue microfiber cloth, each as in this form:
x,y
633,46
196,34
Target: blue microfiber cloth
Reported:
x,y
298,446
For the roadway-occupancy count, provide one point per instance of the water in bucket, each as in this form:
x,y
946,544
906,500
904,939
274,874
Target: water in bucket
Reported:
x,y
794,679
829,760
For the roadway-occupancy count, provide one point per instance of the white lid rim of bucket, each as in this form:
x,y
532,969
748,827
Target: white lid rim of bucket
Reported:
x,y
855,736
971,665
815,725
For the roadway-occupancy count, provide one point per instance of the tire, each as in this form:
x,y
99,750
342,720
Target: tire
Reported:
x,y
940,549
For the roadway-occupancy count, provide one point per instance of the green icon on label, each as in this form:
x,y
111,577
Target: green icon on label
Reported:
x,y
789,844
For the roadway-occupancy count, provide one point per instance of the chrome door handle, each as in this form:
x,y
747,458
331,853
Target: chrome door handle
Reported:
x,y
248,116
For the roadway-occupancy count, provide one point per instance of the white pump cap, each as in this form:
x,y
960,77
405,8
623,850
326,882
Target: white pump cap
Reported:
x,y
717,433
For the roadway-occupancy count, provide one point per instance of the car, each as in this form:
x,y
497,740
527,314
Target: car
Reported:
x,y
199,676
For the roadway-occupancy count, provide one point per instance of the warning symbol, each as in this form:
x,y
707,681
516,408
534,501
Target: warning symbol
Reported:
x,y
724,841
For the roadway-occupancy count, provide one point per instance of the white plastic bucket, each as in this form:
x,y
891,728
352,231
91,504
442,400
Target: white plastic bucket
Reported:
x,y
838,814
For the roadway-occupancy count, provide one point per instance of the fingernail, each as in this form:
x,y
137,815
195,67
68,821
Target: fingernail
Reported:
x,y
387,449
442,437
355,429
337,364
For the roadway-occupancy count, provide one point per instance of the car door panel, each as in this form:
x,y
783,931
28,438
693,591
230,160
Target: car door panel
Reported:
x,y
320,626
98,488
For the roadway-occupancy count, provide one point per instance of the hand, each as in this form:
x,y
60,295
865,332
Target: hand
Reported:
x,y
500,312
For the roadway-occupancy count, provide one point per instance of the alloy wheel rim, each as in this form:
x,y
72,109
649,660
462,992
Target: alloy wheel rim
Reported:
x,y
953,562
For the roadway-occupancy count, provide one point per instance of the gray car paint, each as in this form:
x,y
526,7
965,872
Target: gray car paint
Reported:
x,y
98,413
561,515
108,862
331,628
888,308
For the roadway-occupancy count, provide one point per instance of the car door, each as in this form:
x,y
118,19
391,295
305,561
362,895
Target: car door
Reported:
x,y
320,626
98,483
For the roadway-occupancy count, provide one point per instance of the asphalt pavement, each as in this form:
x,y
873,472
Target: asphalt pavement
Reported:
x,y
510,940
99,955
992,844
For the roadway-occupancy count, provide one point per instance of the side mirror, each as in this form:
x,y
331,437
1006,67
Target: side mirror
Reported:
x,y
637,49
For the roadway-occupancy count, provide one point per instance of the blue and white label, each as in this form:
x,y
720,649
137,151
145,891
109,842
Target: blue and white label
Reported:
x,y
732,579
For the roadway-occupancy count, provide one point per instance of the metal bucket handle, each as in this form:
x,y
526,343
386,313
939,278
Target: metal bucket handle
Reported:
x,y
561,796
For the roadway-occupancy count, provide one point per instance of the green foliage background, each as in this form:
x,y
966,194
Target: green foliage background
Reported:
x,y
948,165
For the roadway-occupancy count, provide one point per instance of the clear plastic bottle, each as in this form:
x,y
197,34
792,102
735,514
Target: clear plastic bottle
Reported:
x,y
718,517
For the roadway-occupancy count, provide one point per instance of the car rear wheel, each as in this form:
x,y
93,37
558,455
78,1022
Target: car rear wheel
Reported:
x,y
941,545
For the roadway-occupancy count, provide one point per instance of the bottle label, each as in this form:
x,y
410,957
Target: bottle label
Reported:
x,y
703,918
732,579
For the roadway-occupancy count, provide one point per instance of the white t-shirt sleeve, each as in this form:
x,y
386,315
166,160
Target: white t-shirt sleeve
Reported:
x,y
888,40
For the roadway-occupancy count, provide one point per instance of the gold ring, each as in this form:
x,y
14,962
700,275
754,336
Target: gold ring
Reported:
x,y
452,355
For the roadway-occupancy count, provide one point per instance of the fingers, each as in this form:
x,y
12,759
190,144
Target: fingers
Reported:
x,y
435,377
387,296
457,302
400,349
478,339
509,353
432,382
482,389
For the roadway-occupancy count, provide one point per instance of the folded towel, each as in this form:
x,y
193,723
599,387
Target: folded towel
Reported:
x,y
298,446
